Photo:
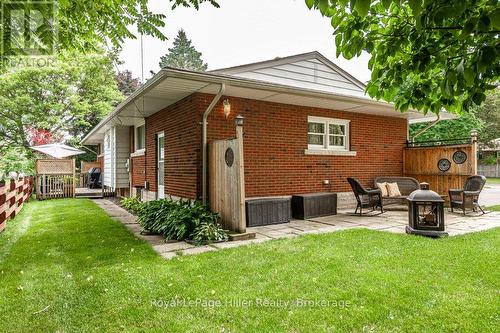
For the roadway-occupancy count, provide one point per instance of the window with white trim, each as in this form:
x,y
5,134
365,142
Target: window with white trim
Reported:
x,y
140,137
327,133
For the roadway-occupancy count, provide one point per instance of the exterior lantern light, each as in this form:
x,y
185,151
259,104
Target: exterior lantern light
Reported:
x,y
227,108
239,120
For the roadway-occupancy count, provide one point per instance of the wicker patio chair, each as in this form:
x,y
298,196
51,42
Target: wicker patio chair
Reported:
x,y
468,196
366,197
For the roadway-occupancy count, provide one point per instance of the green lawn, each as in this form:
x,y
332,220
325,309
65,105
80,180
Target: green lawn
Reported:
x,y
492,181
495,208
67,267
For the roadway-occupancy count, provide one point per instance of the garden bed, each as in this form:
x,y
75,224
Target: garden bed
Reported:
x,y
181,220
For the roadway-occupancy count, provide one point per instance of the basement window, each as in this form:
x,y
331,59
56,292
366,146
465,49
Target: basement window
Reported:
x,y
328,136
140,138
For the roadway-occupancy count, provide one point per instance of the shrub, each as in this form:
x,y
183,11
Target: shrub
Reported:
x,y
208,232
181,220
153,214
132,204
490,160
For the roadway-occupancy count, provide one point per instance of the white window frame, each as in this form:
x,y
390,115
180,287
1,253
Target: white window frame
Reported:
x,y
326,134
136,149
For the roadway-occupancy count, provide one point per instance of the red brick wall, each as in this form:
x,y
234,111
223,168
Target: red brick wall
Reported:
x,y
137,171
182,148
275,137
275,140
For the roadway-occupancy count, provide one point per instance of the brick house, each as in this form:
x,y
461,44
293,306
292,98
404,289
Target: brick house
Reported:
x,y
308,126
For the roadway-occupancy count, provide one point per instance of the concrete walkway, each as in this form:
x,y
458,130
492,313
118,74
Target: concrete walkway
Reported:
x,y
490,195
390,221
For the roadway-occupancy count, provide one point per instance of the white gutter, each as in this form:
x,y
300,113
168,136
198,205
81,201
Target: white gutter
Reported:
x,y
236,82
204,175
275,87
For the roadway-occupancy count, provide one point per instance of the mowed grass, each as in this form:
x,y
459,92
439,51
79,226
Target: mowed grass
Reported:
x,y
492,181
495,208
67,267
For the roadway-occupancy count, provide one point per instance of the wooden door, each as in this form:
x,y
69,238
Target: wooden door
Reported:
x,y
227,183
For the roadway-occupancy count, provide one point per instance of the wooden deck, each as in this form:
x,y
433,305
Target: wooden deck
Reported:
x,y
83,192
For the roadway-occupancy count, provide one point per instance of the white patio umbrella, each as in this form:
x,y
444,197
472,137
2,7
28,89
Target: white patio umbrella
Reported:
x,y
58,150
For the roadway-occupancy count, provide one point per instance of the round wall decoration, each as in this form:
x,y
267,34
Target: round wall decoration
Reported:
x,y
459,157
444,164
229,156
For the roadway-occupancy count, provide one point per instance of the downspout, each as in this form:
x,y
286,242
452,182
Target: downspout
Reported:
x,y
425,129
204,177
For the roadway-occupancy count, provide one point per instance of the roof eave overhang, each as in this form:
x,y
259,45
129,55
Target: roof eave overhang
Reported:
x,y
150,84
212,78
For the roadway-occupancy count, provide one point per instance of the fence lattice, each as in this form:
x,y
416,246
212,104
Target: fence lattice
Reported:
x,y
13,195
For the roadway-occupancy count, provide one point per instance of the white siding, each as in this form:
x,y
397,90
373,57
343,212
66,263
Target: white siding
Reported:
x,y
116,154
108,158
309,74
122,153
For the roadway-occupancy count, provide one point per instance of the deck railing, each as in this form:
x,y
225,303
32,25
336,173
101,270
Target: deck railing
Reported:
x,y
13,195
83,190
55,186
438,143
82,180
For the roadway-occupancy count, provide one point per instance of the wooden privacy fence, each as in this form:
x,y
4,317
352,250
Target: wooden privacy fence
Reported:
x,y
443,167
55,178
227,181
492,171
13,195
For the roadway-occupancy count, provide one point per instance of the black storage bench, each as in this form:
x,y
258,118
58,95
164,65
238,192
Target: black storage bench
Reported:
x,y
266,211
305,206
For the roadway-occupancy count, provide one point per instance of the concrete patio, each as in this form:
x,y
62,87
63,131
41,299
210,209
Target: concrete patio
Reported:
x,y
391,221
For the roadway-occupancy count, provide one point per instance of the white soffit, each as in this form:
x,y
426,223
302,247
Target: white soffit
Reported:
x,y
171,85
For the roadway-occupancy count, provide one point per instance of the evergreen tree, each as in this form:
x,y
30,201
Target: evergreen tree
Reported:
x,y
183,55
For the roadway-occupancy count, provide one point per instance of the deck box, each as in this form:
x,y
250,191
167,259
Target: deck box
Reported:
x,y
266,211
305,206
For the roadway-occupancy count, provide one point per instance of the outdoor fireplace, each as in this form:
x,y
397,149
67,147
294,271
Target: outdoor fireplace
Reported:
x,y
426,213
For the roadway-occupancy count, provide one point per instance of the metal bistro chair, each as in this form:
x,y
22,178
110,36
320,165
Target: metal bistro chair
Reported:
x,y
366,197
468,196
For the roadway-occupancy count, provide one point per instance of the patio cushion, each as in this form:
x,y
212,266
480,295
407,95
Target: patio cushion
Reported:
x,y
383,189
393,190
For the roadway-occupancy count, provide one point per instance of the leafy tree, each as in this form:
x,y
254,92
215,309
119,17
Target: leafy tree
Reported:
x,y
16,159
425,54
449,129
485,118
67,99
183,55
127,84
86,25
489,113
40,136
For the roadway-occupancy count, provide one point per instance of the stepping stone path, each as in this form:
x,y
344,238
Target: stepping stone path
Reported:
x,y
391,221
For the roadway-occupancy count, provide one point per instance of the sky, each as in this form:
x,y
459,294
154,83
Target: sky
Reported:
x,y
241,32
